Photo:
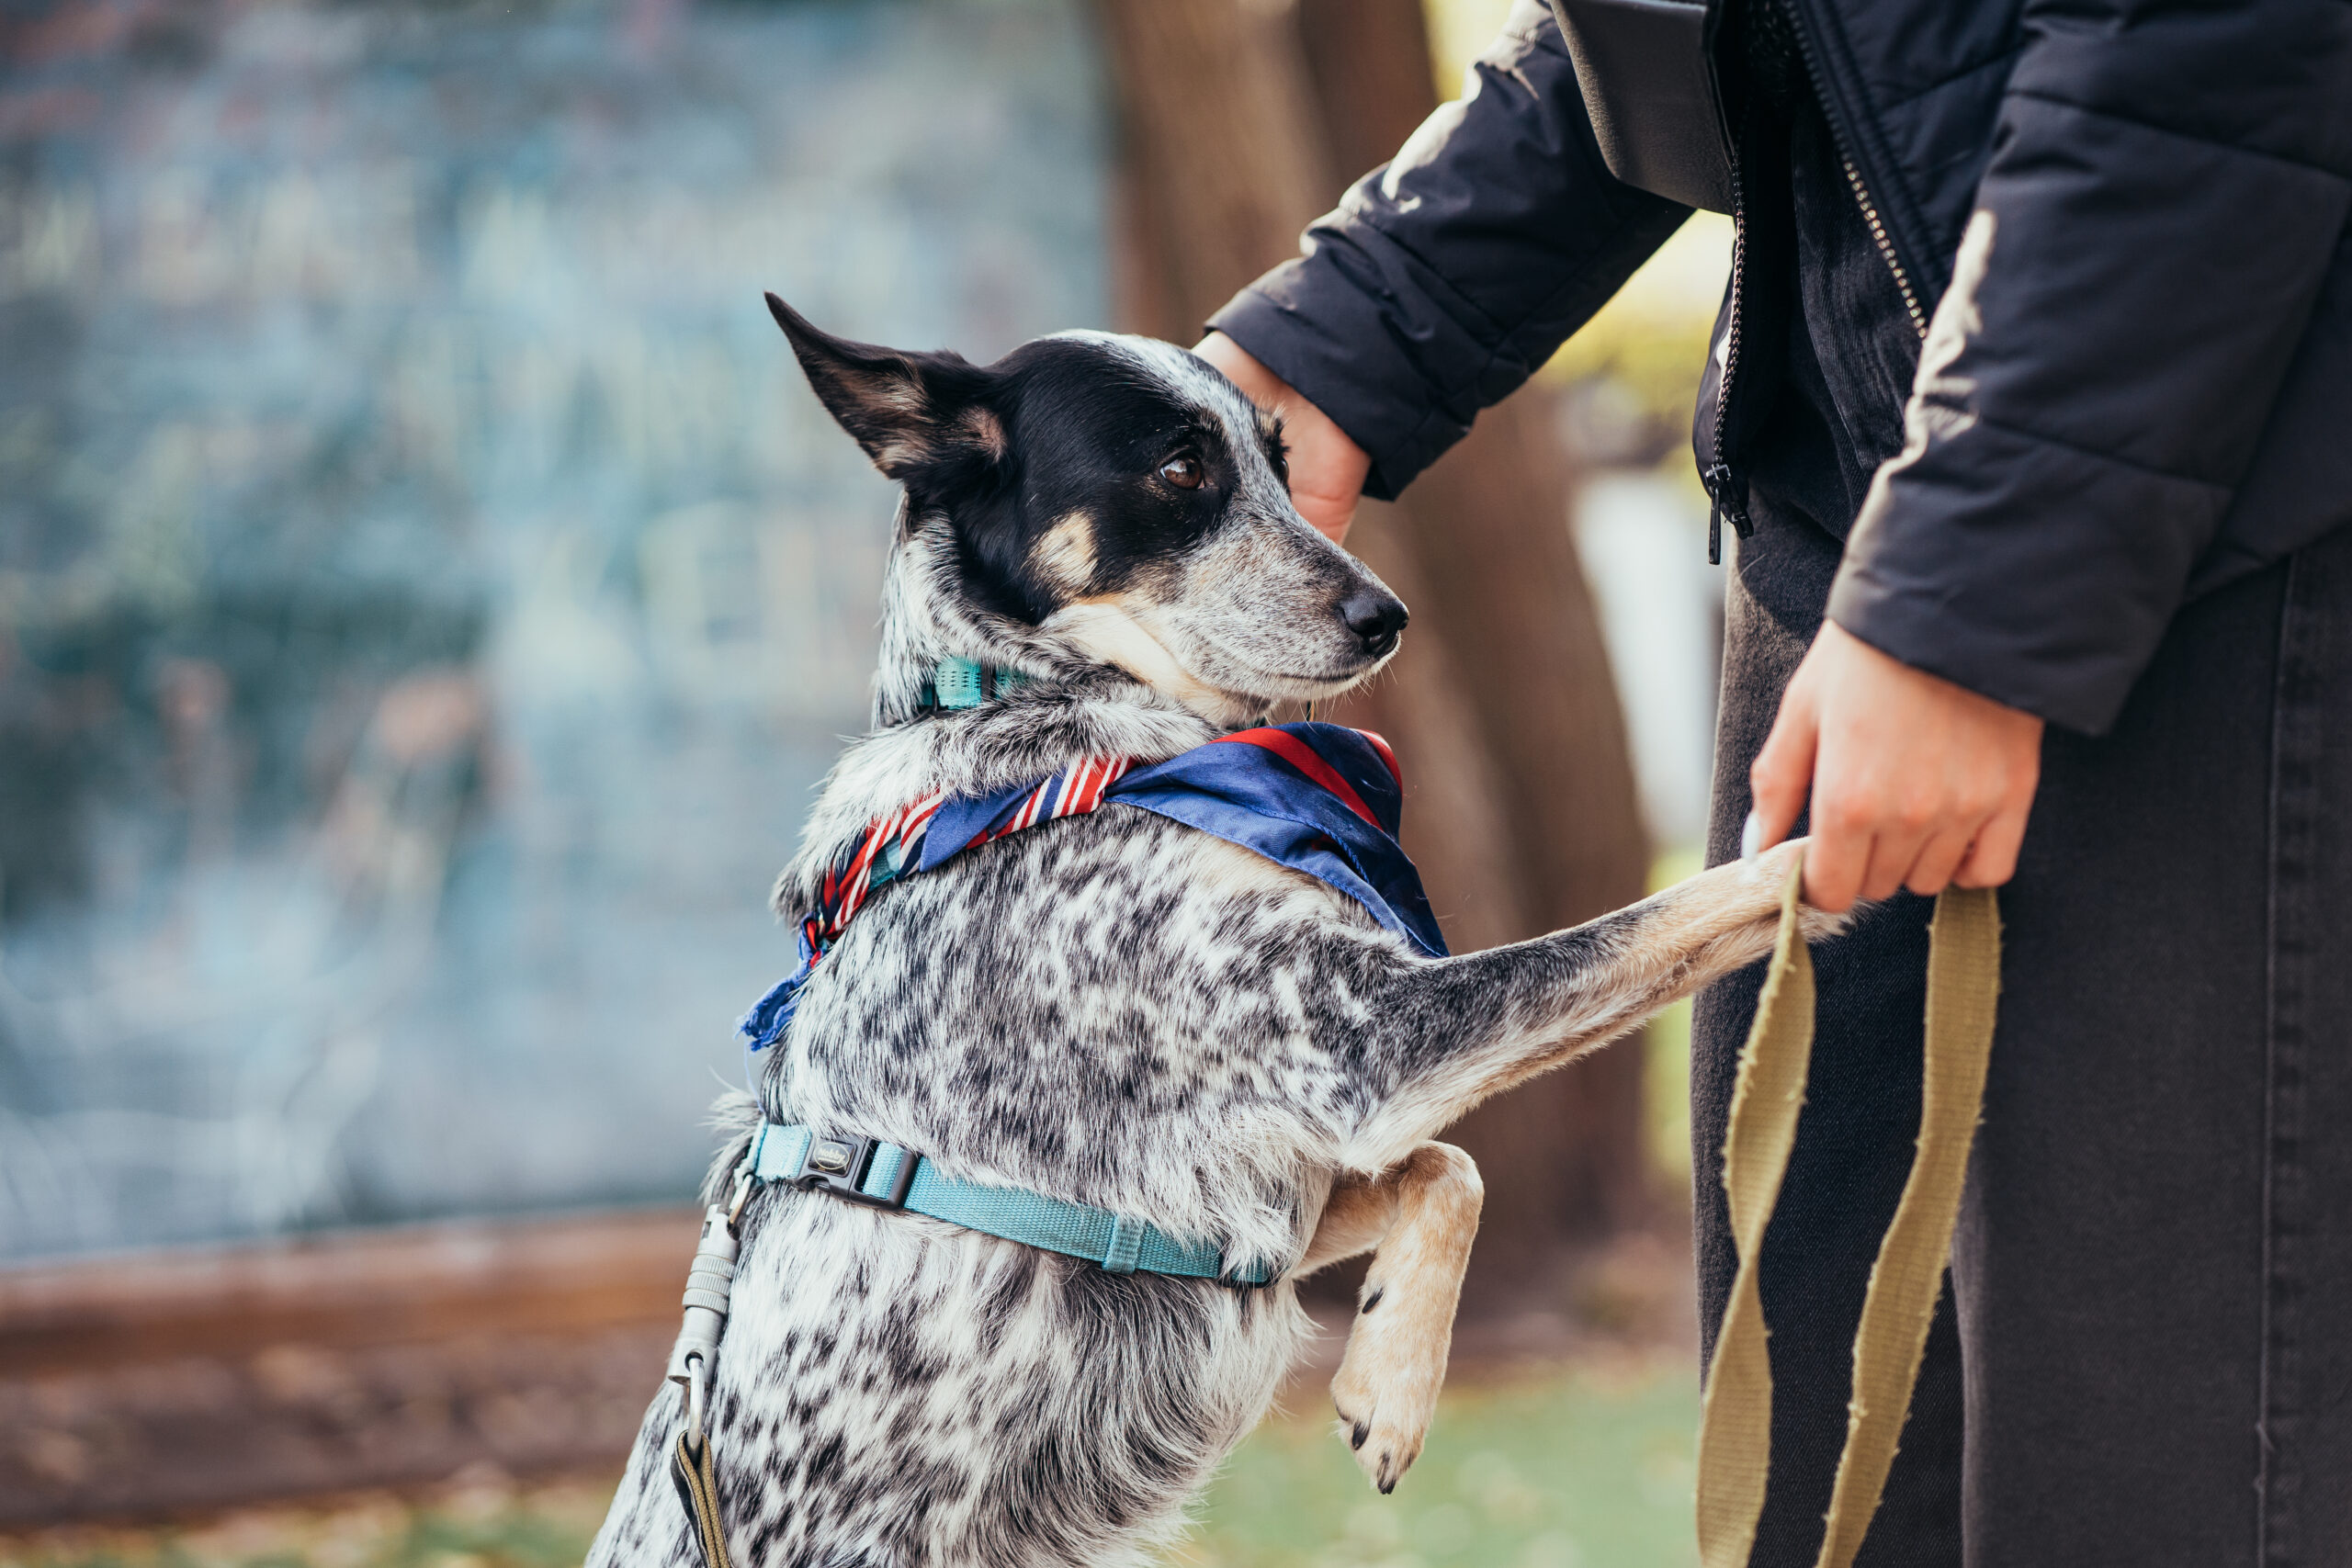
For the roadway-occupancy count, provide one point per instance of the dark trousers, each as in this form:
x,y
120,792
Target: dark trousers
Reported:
x,y
2143,1355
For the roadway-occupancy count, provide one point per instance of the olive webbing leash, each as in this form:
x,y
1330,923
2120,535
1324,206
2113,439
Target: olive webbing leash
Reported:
x,y
698,1490
1736,1428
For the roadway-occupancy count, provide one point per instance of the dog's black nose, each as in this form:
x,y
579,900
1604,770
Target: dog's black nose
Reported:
x,y
1376,616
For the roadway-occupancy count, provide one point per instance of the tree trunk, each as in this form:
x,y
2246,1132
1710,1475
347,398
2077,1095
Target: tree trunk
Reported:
x,y
1241,122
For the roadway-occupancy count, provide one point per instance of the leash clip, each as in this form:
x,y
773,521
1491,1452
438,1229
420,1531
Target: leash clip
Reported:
x,y
697,1398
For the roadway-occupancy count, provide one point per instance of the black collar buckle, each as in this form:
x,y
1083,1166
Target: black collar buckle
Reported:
x,y
840,1166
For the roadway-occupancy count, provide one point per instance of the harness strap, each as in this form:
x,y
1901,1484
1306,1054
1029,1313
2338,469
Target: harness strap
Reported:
x,y
891,1177
1736,1430
886,1176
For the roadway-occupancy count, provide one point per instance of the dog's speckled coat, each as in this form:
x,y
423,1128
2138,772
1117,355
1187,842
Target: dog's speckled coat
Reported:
x,y
1114,1008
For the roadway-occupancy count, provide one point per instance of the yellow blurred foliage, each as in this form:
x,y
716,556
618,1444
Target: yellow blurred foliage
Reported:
x,y
1460,31
1652,339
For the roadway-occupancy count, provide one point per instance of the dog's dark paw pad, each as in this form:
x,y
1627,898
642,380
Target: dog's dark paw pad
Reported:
x,y
1373,1300
1363,1431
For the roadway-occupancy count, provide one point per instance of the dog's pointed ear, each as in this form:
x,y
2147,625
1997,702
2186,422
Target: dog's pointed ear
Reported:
x,y
910,411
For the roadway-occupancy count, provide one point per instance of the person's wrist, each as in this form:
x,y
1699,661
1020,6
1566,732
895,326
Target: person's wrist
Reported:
x,y
1246,370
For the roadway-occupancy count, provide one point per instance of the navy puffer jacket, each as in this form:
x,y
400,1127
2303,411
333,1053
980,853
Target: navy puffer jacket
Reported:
x,y
2127,218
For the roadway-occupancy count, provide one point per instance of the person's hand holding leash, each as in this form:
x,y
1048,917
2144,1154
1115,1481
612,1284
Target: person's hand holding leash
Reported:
x,y
1914,782
1326,469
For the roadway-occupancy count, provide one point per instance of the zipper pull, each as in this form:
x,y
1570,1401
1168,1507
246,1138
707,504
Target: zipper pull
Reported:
x,y
1723,493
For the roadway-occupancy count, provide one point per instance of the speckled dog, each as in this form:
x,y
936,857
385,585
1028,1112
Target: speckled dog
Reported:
x,y
1112,1010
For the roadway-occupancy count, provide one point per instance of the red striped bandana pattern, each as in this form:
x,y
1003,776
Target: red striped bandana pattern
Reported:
x,y
1073,793
870,863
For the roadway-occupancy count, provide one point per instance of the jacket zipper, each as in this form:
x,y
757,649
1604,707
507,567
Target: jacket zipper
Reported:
x,y
1725,493
1870,215
1878,233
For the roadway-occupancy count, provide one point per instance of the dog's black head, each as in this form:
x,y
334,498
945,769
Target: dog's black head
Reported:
x,y
1095,500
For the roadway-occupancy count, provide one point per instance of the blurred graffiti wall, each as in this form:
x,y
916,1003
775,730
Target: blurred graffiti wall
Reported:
x,y
427,594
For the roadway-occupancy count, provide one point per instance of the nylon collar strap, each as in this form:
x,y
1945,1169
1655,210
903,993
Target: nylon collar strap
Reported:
x,y
866,1171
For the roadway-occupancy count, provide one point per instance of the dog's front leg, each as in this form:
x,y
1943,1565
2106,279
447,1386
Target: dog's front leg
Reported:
x,y
1446,1034
1421,1216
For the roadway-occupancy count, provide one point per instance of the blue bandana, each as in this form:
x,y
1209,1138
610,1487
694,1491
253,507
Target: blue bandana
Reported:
x,y
1315,798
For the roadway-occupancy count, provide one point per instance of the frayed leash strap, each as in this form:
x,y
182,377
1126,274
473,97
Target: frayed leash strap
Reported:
x,y
1964,994
1735,1431
698,1490
1736,1428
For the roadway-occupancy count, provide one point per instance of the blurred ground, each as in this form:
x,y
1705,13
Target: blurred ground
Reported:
x,y
1575,1466
1551,1466
1565,1441
160,1382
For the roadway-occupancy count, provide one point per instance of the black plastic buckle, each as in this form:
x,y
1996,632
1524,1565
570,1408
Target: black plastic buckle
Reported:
x,y
839,1166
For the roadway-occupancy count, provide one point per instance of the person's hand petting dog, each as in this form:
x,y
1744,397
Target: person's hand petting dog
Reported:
x,y
1326,469
1914,781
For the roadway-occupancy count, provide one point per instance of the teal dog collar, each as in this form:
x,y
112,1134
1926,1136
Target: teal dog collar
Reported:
x,y
966,682
866,1171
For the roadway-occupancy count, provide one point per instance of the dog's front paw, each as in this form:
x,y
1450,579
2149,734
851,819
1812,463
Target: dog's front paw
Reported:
x,y
1388,1380
1766,872
1765,875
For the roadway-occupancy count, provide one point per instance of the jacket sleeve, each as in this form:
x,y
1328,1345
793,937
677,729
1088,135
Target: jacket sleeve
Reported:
x,y
1448,277
2167,184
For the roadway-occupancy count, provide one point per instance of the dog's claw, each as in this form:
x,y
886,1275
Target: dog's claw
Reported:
x,y
1355,1439
1373,1300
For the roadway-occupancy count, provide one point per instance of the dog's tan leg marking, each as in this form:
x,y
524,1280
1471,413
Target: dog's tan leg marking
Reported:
x,y
1421,1215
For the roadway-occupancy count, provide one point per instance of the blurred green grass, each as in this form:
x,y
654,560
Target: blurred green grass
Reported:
x,y
1589,1468
483,1522
1586,1467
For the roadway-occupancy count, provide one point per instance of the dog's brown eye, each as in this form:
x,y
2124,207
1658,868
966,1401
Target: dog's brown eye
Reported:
x,y
1184,473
